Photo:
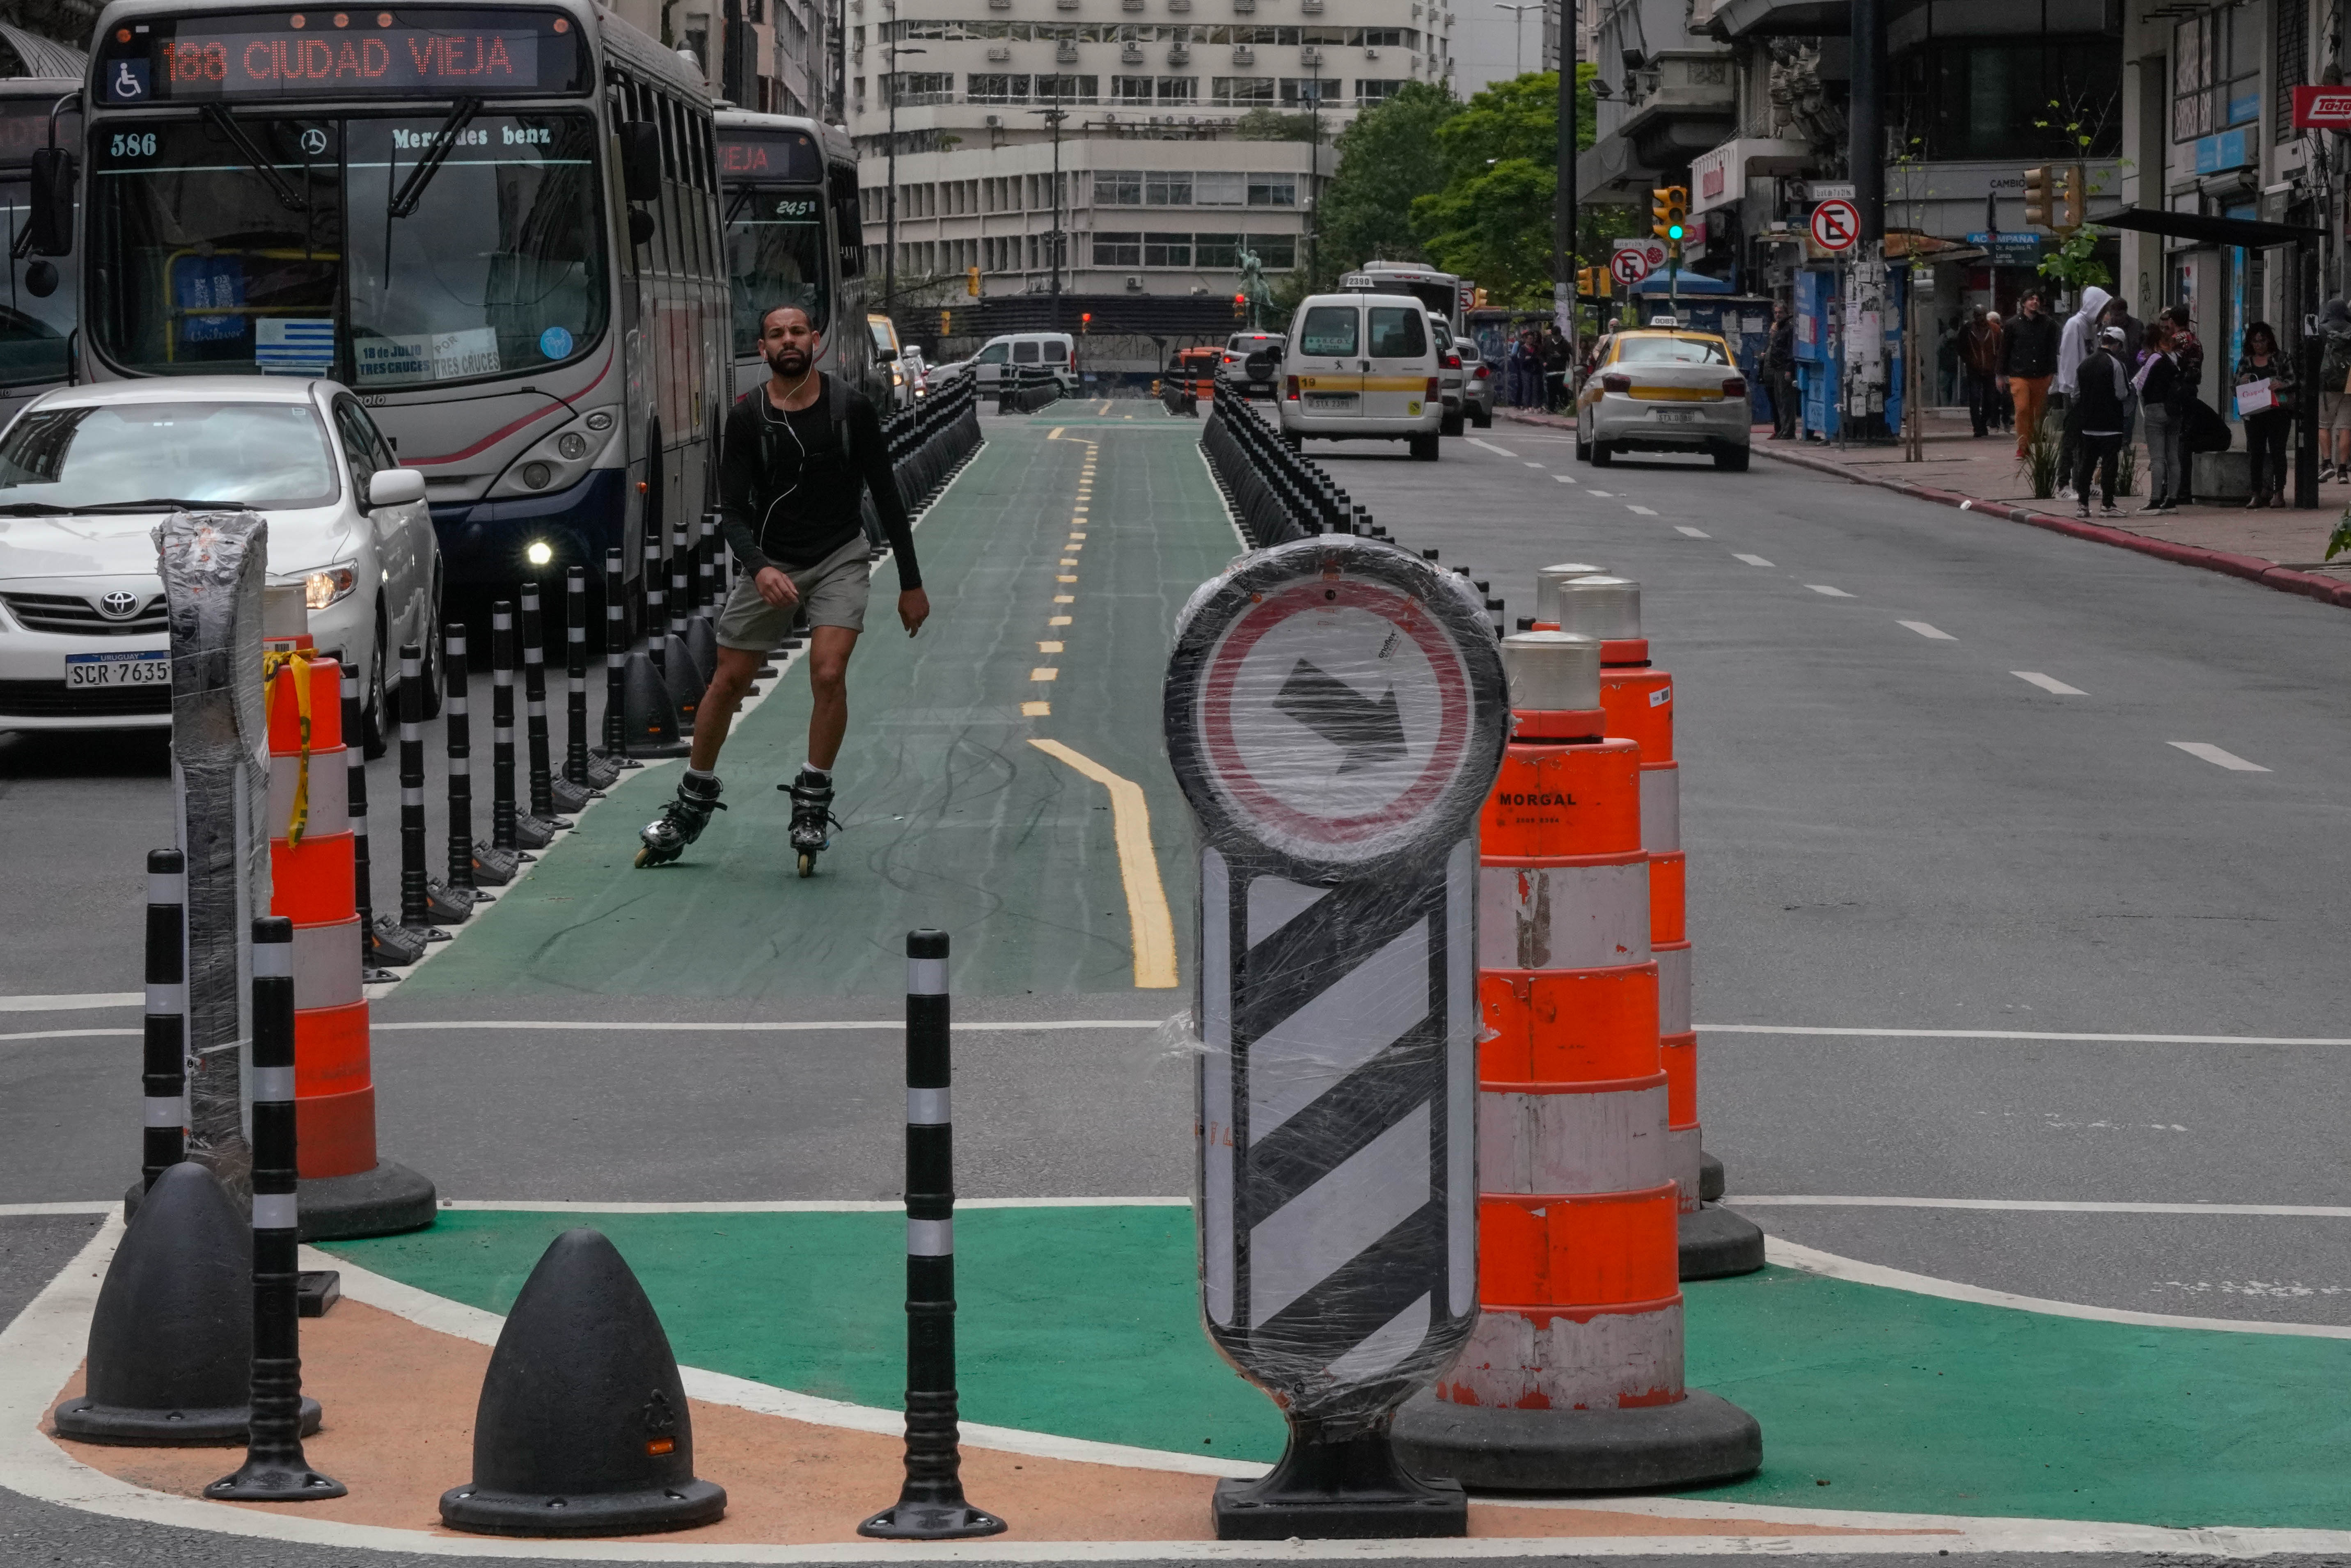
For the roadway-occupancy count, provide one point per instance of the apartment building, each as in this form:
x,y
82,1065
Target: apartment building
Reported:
x,y
1159,194
763,54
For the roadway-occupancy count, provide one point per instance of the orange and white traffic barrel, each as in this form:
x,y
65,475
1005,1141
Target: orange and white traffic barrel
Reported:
x,y
1572,1376
347,1190
1639,700
1546,581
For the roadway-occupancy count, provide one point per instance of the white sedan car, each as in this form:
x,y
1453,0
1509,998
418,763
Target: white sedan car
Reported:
x,y
86,473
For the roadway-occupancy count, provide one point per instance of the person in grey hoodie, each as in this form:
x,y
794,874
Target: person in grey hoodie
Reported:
x,y
2078,341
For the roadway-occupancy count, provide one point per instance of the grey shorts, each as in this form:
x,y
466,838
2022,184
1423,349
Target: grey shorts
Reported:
x,y
833,590
2332,414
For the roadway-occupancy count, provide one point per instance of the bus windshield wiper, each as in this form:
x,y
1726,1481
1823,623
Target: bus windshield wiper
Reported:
x,y
412,189
292,200
742,199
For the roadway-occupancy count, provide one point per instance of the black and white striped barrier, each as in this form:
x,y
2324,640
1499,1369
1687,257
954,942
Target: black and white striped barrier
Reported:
x,y
931,1505
681,621
551,795
1335,714
583,767
422,901
275,1468
472,865
512,831
666,631
384,941
702,621
164,1143
649,703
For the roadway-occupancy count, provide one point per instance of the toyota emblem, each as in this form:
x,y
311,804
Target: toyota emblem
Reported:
x,y
118,605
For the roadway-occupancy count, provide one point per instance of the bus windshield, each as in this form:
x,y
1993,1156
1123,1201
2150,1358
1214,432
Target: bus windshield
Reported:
x,y
255,242
776,255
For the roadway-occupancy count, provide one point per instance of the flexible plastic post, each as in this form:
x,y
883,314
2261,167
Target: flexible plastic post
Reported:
x,y
458,731
705,565
931,1505
651,620
575,675
540,773
413,891
166,1067
274,1468
681,569
355,807
616,659
502,756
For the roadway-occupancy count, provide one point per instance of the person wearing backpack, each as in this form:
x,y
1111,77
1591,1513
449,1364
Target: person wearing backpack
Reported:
x,y
2333,375
798,451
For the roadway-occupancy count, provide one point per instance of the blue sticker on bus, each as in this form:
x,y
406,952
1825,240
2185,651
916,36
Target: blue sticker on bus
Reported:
x,y
555,342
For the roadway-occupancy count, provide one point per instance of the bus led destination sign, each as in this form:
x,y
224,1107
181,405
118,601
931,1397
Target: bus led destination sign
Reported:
x,y
332,54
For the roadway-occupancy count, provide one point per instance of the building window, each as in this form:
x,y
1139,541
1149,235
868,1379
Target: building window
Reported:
x,y
1118,250
1303,93
1179,90
1118,188
1241,92
1166,190
2216,73
1219,188
1133,90
1275,253
1378,91
1068,88
2292,24
917,87
995,86
1217,251
1273,190
1167,250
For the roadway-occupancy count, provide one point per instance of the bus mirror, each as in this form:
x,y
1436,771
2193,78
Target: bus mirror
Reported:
x,y
50,224
641,226
41,277
641,161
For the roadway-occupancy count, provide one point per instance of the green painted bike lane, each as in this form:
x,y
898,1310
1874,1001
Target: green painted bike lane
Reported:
x,y
951,818
1083,1322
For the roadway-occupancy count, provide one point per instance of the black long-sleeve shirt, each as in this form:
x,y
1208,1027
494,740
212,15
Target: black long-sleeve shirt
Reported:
x,y
788,494
2030,347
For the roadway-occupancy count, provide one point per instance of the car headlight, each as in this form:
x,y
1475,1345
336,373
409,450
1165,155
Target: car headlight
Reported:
x,y
330,586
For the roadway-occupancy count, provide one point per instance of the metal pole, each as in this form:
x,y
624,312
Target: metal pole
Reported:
x,y
890,235
1056,117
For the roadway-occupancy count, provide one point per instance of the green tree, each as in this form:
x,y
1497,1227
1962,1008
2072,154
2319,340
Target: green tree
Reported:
x,y
1492,221
1387,160
1273,125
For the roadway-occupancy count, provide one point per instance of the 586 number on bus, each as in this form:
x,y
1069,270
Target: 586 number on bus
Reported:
x,y
133,144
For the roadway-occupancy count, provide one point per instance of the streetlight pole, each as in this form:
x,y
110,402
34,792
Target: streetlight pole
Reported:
x,y
1053,117
1564,229
1314,171
891,52
1519,43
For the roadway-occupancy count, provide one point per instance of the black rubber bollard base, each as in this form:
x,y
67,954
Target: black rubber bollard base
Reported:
x,y
264,1480
495,867
568,798
1359,1489
538,832
392,943
1702,1440
1716,1243
603,771
385,1201
1710,1178
85,1420
680,1506
446,906
932,1521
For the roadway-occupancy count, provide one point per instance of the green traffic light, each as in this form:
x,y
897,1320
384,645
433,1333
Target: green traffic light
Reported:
x,y
1673,231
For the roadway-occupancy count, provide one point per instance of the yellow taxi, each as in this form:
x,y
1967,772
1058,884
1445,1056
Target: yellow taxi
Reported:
x,y
1663,388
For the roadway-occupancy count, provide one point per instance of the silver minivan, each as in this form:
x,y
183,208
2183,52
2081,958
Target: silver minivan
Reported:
x,y
1363,367
1055,351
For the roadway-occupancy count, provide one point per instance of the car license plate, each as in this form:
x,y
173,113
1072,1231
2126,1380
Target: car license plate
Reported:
x,y
1677,416
153,668
1330,402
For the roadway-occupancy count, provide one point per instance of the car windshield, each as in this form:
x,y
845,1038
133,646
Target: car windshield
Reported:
x,y
260,243
1670,351
994,353
243,453
776,256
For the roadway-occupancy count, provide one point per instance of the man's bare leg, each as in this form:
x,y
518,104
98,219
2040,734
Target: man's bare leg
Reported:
x,y
729,685
828,650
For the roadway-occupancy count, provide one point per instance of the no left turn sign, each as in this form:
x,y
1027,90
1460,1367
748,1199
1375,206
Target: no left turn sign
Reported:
x,y
1836,224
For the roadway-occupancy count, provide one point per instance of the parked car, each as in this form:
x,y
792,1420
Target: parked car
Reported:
x,y
1251,363
1477,384
1057,351
1451,372
1362,366
1659,389
890,365
87,472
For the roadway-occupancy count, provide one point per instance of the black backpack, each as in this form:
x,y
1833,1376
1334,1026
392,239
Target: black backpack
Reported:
x,y
2204,430
836,396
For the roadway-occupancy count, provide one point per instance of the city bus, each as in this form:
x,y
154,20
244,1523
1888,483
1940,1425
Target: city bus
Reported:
x,y
38,313
795,236
497,225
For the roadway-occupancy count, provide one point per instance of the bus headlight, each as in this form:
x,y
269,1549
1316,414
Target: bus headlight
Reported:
x,y
573,445
331,586
535,475
538,552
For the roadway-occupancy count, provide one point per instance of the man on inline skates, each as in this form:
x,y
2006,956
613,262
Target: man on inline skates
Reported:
x,y
797,453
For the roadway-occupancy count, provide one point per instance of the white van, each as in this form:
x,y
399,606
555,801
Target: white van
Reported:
x,y
1056,351
1361,366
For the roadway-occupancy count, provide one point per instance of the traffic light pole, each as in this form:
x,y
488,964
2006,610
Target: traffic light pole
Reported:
x,y
1865,163
1565,230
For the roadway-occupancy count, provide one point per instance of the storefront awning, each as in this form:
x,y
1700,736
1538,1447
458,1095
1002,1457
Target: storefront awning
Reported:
x,y
2247,232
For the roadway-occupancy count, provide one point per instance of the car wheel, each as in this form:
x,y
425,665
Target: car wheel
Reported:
x,y
375,710
1582,447
1424,448
1485,419
1450,424
1602,454
1730,459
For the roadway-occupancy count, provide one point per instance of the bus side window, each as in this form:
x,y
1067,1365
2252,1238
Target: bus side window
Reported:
x,y
848,222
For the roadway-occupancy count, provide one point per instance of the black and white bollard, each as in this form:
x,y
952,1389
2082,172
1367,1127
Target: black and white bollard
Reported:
x,y
511,833
583,767
470,868
164,1143
551,792
931,1505
649,706
382,940
1335,714
687,682
422,901
275,1468
702,629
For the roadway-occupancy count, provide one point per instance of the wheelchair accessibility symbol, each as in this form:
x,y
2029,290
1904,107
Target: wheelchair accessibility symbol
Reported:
x,y
128,82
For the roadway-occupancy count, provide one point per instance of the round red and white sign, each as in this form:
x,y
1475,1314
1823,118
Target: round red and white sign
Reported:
x,y
1629,266
1837,224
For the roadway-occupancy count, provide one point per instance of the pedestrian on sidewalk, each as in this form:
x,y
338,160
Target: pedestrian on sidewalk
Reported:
x,y
2334,376
2080,338
2162,401
2188,353
1780,366
2003,406
1980,352
2265,399
2100,384
798,452
2027,364
2134,331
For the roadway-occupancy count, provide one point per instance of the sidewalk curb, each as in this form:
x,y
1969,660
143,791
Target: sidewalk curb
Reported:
x,y
2251,569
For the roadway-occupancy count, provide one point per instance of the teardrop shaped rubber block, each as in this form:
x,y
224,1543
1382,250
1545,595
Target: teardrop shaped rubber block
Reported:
x,y
171,1344
583,1427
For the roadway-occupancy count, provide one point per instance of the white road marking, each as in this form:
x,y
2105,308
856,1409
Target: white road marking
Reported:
x,y
790,1026
2048,683
1643,510
1605,495
1498,451
1530,463
2218,757
1751,560
2051,1206
66,1004
1693,533
1831,592
2009,1034
33,1210
1926,631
